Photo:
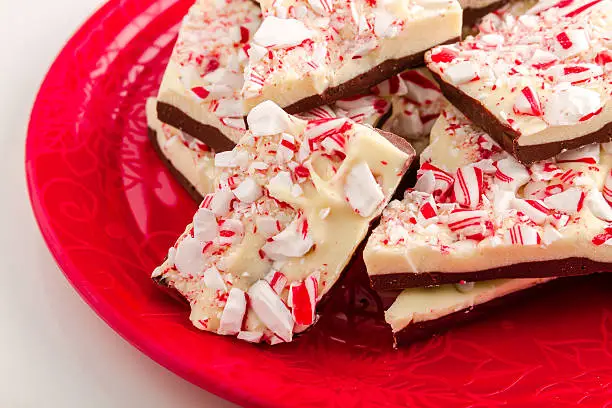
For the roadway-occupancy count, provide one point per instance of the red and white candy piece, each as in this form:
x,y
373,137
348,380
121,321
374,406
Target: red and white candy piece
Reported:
x,y
392,86
571,42
286,148
277,280
323,7
321,112
221,201
248,191
559,220
277,32
522,235
420,88
443,180
225,159
607,188
267,119
568,202
510,174
232,316
188,259
205,226
303,300
598,205
271,310
362,191
574,73
534,209
213,280
527,102
468,223
231,231
461,72
542,59
588,154
293,241
468,186
428,212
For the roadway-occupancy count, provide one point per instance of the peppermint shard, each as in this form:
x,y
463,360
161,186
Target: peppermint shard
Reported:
x,y
292,202
476,213
539,83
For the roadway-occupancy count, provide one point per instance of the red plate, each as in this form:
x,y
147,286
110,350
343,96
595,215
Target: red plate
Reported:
x,y
108,210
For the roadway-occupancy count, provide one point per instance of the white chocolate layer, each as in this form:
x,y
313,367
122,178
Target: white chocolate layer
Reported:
x,y
425,304
190,157
291,205
339,42
569,217
544,75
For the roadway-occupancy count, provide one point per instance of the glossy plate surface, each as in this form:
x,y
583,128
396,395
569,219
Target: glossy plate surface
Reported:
x,y
109,210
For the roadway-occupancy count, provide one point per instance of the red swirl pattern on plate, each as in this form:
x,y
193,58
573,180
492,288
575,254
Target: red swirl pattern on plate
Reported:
x,y
108,210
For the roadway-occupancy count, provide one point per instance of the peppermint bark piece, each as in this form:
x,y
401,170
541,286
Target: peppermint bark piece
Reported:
x,y
539,83
200,90
476,213
293,201
419,313
311,53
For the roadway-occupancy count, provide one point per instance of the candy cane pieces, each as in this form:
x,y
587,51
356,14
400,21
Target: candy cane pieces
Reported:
x,y
527,102
233,313
271,310
433,180
522,235
303,300
468,186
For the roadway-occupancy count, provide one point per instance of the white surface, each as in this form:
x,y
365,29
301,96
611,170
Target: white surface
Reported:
x,y
55,352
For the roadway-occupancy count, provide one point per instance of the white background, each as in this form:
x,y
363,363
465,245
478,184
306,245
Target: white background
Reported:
x,y
54,351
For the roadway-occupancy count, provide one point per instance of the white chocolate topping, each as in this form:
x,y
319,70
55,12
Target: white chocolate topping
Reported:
x,y
305,47
430,303
206,70
544,75
190,157
475,207
281,228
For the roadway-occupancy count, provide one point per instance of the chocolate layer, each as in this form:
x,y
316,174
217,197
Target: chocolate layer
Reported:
x,y
426,329
209,135
508,137
178,176
541,269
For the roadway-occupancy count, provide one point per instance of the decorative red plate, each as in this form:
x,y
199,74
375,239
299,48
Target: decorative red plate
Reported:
x,y
109,210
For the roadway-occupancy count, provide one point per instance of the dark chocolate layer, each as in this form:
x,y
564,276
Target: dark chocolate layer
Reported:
x,y
209,135
541,269
178,176
508,137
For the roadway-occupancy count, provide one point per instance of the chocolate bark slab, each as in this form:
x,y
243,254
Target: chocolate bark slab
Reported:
x,y
536,93
507,137
425,329
552,268
267,233
476,213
